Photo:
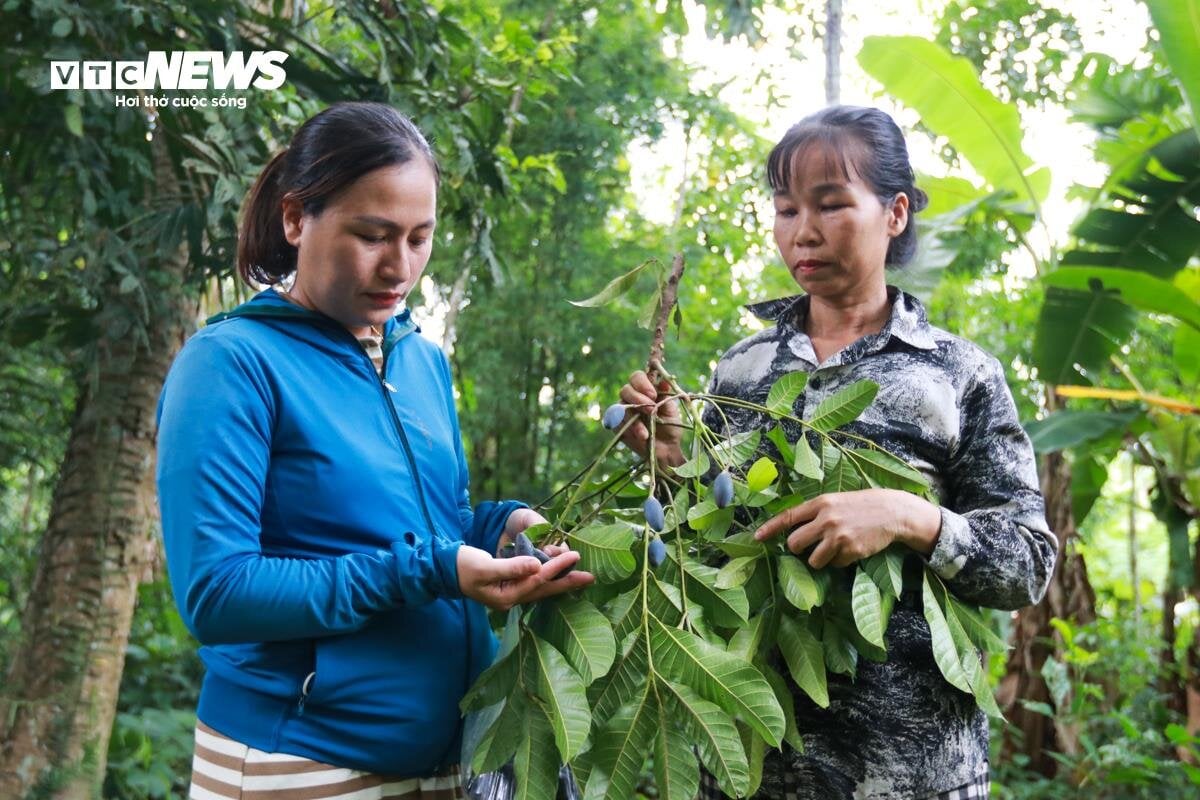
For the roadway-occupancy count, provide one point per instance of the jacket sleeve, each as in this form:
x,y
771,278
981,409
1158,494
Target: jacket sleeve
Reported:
x,y
483,524
994,547
216,416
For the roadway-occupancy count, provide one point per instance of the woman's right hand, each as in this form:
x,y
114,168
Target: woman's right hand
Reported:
x,y
642,396
501,583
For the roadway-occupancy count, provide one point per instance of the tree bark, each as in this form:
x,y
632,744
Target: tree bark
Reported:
x,y
1069,597
833,52
59,698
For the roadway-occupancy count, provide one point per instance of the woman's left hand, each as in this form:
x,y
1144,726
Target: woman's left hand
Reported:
x,y
849,526
519,520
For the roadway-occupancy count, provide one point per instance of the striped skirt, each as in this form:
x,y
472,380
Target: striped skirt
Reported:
x,y
223,769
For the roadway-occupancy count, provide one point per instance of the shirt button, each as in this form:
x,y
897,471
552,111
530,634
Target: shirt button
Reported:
x,y
815,383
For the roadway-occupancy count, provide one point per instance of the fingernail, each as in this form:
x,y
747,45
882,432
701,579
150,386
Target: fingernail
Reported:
x,y
758,535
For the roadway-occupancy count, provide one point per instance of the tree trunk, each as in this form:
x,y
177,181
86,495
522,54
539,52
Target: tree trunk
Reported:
x,y
60,695
833,52
1069,597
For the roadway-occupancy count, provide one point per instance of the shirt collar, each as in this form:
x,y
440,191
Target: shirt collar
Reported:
x,y
908,321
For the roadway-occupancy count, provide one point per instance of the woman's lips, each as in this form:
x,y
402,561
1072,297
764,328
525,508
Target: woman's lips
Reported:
x,y
386,299
807,267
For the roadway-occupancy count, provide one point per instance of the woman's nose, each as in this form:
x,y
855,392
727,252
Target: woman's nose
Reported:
x,y
807,232
397,264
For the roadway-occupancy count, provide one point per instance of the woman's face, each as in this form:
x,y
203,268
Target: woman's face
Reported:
x,y
831,228
361,256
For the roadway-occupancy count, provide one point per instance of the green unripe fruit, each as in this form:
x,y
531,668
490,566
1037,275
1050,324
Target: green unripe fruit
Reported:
x,y
722,489
653,511
614,415
656,552
524,547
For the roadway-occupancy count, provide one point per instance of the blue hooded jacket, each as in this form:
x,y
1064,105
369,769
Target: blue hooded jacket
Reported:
x,y
312,514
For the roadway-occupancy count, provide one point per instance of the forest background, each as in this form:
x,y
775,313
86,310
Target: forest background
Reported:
x,y
577,140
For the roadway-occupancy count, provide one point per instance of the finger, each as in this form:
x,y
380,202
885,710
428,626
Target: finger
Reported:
x,y
553,550
559,563
567,583
804,537
790,518
640,400
825,552
517,568
640,381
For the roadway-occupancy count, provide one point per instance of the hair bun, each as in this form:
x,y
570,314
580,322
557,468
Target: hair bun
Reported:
x,y
917,200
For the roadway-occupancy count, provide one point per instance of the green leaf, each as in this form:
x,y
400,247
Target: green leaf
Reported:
x,y
61,28
736,571
702,515
74,118
779,439
800,587
1178,24
805,657
620,749
561,695
500,740
978,630
887,570
725,607
840,654
945,653
742,544
731,683
947,95
784,392
807,463
616,287
676,774
840,474
843,405
761,475
604,551
867,606
1069,428
889,471
581,633
626,679
787,702
737,449
694,467
1078,328
713,733
495,684
972,664
1132,287
536,763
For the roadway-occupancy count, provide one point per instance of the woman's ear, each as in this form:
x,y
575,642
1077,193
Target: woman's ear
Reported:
x,y
293,220
897,215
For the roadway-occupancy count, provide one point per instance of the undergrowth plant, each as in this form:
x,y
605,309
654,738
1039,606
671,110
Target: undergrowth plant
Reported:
x,y
669,655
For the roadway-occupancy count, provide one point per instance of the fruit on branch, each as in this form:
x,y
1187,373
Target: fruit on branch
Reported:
x,y
655,517
722,489
524,547
614,415
656,552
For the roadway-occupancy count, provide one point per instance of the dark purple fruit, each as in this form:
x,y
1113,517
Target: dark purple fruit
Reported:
x,y
722,489
508,551
614,415
540,555
524,547
655,517
657,552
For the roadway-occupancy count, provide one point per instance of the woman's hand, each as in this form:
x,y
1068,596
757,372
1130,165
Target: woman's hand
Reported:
x,y
849,526
519,520
642,396
502,583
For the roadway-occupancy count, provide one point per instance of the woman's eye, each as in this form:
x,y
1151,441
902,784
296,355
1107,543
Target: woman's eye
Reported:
x,y
370,239
417,243
786,212
832,206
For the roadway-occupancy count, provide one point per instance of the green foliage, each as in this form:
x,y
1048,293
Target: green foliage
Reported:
x,y
1022,48
670,659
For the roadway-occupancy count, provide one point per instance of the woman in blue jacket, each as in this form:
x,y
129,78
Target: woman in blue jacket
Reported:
x,y
319,534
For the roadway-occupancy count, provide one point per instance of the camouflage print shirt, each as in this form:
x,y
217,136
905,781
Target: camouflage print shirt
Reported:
x,y
899,730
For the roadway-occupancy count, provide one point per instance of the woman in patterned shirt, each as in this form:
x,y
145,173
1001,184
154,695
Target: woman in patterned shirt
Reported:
x,y
844,198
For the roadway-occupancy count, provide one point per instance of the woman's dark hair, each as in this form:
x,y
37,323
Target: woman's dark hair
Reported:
x,y
328,153
868,139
